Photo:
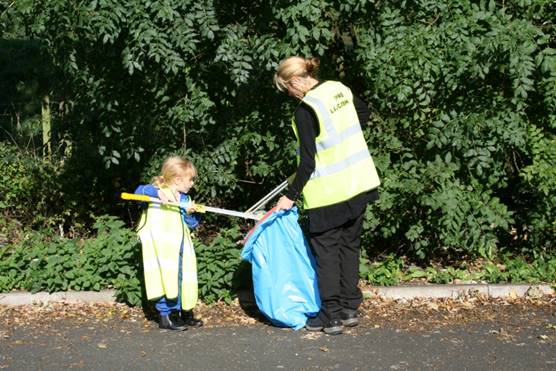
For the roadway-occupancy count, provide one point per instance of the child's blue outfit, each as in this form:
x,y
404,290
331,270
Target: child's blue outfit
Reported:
x,y
168,257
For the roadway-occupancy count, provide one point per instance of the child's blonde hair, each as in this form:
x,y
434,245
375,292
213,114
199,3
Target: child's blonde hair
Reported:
x,y
295,66
173,167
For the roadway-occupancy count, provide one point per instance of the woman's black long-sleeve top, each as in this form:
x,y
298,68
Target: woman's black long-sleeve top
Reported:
x,y
327,217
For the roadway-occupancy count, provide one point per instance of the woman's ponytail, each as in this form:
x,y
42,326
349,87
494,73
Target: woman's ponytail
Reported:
x,y
312,66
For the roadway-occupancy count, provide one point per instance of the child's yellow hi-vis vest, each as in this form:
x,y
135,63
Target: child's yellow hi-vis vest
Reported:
x,y
344,167
162,232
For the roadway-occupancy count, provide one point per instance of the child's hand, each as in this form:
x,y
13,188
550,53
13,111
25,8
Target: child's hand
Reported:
x,y
191,207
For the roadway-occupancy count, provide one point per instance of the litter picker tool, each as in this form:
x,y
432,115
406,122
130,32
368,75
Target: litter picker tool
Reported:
x,y
255,212
197,207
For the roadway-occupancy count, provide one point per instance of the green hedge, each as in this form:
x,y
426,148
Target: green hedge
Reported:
x,y
393,270
43,261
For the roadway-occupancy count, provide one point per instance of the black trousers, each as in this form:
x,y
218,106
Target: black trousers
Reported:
x,y
337,256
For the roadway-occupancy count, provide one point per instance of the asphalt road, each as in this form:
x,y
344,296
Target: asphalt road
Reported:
x,y
74,343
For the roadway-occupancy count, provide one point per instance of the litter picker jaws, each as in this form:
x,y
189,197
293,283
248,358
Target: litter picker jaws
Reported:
x,y
257,207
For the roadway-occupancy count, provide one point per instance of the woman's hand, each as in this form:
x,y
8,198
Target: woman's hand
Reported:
x,y
284,203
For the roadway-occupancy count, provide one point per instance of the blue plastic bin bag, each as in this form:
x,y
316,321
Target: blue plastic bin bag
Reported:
x,y
284,276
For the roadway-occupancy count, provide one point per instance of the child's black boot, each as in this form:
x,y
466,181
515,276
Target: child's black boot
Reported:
x,y
169,322
190,320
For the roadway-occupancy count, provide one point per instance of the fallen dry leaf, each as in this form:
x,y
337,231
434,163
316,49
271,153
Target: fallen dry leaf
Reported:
x,y
311,335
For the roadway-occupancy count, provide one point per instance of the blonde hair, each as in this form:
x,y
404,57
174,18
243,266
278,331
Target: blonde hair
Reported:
x,y
295,66
173,167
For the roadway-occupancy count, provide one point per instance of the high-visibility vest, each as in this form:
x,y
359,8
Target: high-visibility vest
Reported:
x,y
344,167
162,233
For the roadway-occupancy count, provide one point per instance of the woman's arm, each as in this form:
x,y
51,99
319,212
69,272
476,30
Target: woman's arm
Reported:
x,y
306,124
362,110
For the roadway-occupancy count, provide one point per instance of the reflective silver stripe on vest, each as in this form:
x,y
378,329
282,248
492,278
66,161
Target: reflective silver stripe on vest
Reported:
x,y
337,139
324,113
339,166
153,205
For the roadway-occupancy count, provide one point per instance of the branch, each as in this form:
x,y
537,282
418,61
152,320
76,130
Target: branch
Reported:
x,y
8,7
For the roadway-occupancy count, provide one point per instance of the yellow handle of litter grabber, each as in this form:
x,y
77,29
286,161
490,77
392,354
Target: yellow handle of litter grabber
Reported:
x,y
136,197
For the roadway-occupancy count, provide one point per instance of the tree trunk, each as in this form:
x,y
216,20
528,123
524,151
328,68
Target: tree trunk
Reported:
x,y
46,126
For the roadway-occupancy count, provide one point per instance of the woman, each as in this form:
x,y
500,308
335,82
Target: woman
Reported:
x,y
337,179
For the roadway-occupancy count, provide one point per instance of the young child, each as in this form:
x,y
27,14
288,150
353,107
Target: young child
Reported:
x,y
169,261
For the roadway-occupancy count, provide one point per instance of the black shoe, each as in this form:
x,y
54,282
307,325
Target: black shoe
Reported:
x,y
168,323
314,324
333,327
190,320
350,317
